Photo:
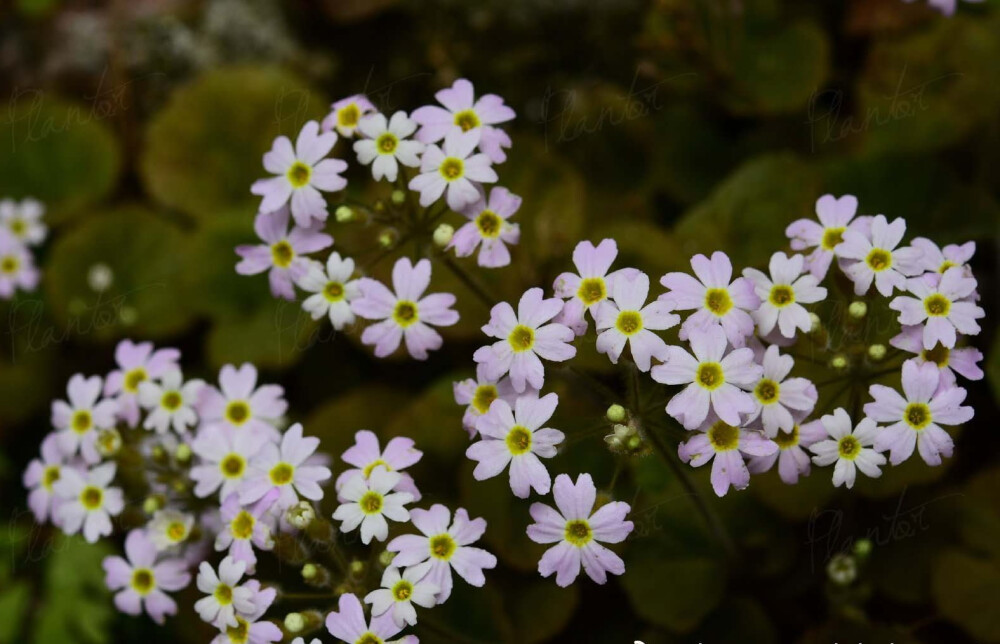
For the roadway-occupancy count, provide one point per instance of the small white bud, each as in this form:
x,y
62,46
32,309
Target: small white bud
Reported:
x,y
443,234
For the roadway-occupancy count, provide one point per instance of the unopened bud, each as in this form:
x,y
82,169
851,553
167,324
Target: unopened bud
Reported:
x,y
152,504
862,548
309,571
876,352
634,442
387,238
857,309
385,558
839,362
301,514
158,454
344,214
183,453
616,414
316,575
109,442
815,324
356,568
294,622
398,197
443,234
842,569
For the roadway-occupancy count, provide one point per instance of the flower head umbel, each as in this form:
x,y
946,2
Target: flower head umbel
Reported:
x,y
836,216
225,596
917,416
40,476
516,436
725,445
406,315
349,624
463,113
523,339
368,501
477,394
778,397
170,402
332,290
791,456
302,172
578,532
23,220
142,579
717,298
87,501
446,547
365,455
385,145
850,450
240,405
246,528
715,379
285,468
876,256
626,318
282,251
137,363
454,170
941,305
488,228
345,115
963,361
224,460
78,421
399,592
590,285
17,267
782,295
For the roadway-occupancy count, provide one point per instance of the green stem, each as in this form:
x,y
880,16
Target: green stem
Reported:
x,y
466,279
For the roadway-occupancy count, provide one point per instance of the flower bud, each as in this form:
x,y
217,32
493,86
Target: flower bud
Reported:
x,y
839,362
876,352
183,453
862,548
857,309
398,197
387,238
634,442
443,234
356,568
100,277
385,558
158,454
309,571
109,442
815,324
344,214
295,622
842,569
301,514
152,503
316,575
616,414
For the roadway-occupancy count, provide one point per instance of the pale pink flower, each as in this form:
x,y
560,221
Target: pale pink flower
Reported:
x,y
282,253
87,501
399,592
240,405
835,218
78,422
17,267
590,285
137,363
142,579
225,596
346,114
385,145
938,260
250,629
792,459
782,295
488,227
40,476
454,170
366,454
246,528
626,318
223,460
963,361
877,256
777,397
463,113
725,445
478,393
349,623
285,468
850,450
368,501
941,306
24,220
332,290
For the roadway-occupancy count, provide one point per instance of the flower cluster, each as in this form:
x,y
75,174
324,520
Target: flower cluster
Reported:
x,y
444,153
205,479
21,229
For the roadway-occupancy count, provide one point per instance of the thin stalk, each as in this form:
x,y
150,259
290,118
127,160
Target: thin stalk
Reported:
x,y
467,279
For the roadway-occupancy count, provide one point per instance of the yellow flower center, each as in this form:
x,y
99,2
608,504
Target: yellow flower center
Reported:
x,y
9,265
723,436
442,546
371,502
143,581
832,237
781,295
629,322
467,119
371,466
232,466
50,476
937,305
133,378
578,532
917,416
242,525
237,412
348,115
405,313
452,168
282,473
939,355
710,375
369,638
92,497
592,290
848,447
518,440
223,594
240,633
299,174
717,301
171,401
489,224
786,440
946,265
879,260
386,143
177,531
522,338
402,590
82,421
333,291
282,254
18,226
484,397
767,391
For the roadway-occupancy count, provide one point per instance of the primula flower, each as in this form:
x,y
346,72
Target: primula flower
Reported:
x,y
87,501
917,417
368,501
225,596
302,172
17,267
850,450
170,402
453,170
399,593
591,285
523,339
137,363
963,361
792,459
79,421
142,580
365,455
345,115
463,113
628,319
488,227
877,257
282,251
248,629
332,288
935,259
245,528
386,146
284,468
516,437
941,306
447,547
407,314
578,532
169,528
783,294
725,444
715,379
778,397
716,296
23,220
241,405
479,393
40,476
349,623
835,218
224,459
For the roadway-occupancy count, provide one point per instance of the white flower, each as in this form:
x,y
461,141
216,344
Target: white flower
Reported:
x,y
775,394
370,501
24,220
850,451
225,456
226,598
782,295
628,319
332,290
169,528
453,169
171,402
88,501
877,257
400,592
345,114
386,145
942,305
79,421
